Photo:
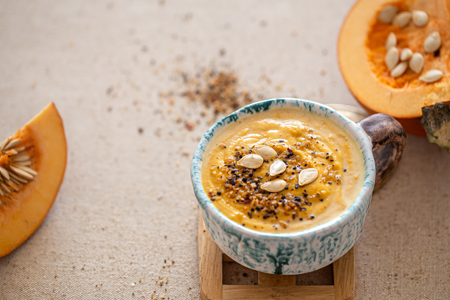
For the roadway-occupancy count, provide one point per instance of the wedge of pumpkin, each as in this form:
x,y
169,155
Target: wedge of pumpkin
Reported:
x,y
361,53
32,165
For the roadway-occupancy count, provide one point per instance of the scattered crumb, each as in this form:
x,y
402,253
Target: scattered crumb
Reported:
x,y
189,126
219,90
158,132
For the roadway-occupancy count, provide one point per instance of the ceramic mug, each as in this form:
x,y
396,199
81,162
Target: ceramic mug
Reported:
x,y
379,136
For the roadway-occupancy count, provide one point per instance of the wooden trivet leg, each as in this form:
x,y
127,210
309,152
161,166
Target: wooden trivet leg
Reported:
x,y
344,276
209,264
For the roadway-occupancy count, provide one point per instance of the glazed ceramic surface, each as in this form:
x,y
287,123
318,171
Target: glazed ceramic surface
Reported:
x,y
292,253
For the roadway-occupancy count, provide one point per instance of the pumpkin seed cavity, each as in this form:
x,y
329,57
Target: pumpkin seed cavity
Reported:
x,y
14,167
398,62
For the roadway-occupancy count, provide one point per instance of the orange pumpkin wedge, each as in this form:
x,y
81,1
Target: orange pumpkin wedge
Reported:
x,y
361,54
32,165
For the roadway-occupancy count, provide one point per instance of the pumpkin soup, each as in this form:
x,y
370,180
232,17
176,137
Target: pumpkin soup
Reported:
x,y
283,170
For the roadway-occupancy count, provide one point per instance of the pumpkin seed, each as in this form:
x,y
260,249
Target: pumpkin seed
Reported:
x,y
399,69
391,41
266,152
391,58
416,63
274,186
307,176
432,42
21,158
3,143
18,150
251,161
17,178
431,76
406,54
21,173
4,173
419,18
402,19
387,14
24,168
5,188
277,167
12,144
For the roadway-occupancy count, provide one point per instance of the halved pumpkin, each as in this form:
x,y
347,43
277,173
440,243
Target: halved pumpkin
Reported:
x,y
361,51
32,165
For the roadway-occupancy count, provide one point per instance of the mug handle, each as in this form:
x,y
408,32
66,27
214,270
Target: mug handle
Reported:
x,y
388,143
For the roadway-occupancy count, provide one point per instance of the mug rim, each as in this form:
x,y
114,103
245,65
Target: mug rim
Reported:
x,y
354,130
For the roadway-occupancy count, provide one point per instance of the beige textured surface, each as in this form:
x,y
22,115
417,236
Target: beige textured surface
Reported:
x,y
126,205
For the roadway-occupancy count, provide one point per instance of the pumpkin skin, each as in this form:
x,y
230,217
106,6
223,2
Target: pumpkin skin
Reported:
x,y
26,209
405,103
436,121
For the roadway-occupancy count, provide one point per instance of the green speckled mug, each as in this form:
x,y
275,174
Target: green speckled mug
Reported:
x,y
378,136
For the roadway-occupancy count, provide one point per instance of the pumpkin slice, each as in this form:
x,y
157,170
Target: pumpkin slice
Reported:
x,y
362,50
32,165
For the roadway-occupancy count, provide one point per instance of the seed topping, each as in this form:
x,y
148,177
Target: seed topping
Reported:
x,y
274,186
307,176
251,161
266,152
277,167
273,190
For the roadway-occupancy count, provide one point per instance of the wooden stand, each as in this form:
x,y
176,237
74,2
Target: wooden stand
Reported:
x,y
210,259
